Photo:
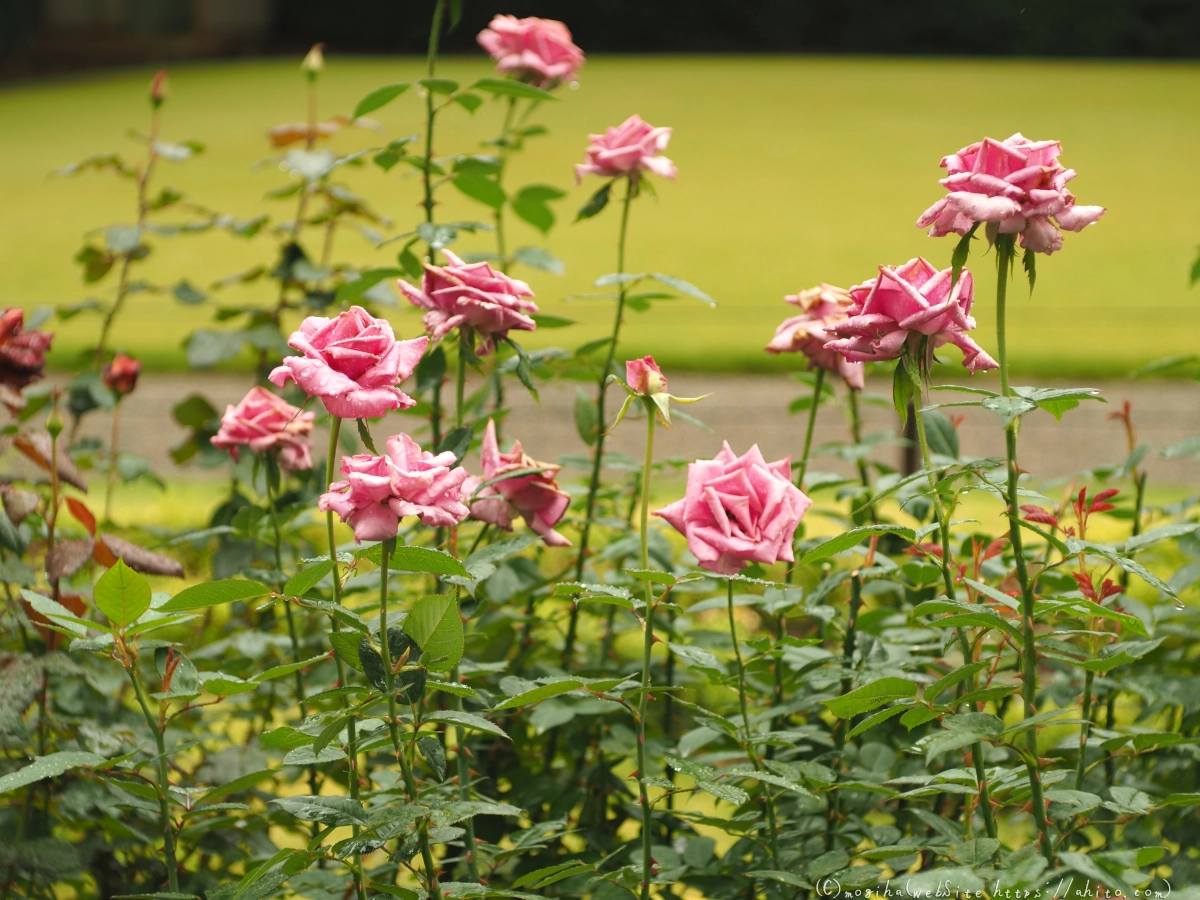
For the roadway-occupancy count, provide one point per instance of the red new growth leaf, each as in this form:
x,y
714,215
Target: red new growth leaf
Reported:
x,y
82,514
1037,514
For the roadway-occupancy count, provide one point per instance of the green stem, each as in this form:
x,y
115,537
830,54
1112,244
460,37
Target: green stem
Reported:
x,y
1084,729
335,428
849,642
460,378
385,651
164,783
1004,251
747,746
503,143
463,765
598,457
856,435
943,518
647,646
818,387
430,115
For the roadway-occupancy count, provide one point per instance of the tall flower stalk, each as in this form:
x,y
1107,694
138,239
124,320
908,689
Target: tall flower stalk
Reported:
x,y
598,447
1005,245
912,363
647,646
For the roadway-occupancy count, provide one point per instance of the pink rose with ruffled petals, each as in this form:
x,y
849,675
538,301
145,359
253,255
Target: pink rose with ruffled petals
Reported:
x,y
738,509
475,297
645,377
377,491
537,51
914,298
807,333
267,423
536,497
352,363
631,147
1017,183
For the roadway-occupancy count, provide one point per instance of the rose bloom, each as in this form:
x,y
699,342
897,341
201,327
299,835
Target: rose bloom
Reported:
x,y
121,375
352,363
914,298
738,509
267,423
22,353
1017,183
475,297
806,333
535,497
645,377
537,51
406,481
630,148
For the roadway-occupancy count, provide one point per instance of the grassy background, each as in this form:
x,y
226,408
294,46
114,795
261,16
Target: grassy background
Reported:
x,y
792,171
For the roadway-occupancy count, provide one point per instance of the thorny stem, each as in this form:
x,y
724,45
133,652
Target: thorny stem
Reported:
x,y
503,143
1080,765
1004,251
598,457
127,257
856,435
164,783
389,677
802,468
335,428
647,646
111,479
460,379
430,115
849,643
750,751
943,519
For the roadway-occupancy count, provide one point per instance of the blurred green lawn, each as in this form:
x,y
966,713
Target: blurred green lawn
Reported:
x,y
792,171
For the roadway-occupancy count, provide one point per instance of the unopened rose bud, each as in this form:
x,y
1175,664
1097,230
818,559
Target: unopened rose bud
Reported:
x,y
121,375
54,422
645,377
158,88
314,63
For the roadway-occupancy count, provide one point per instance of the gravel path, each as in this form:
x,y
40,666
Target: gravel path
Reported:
x,y
746,409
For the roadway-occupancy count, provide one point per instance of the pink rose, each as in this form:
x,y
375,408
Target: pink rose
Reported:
x,y
914,298
265,422
407,481
627,149
474,296
738,509
806,333
645,377
353,363
537,51
22,353
535,497
1017,183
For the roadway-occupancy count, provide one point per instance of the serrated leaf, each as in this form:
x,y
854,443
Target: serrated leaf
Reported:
x,y
466,720
538,694
727,792
435,625
852,538
306,579
380,97
506,87
870,696
122,595
326,810
214,593
49,766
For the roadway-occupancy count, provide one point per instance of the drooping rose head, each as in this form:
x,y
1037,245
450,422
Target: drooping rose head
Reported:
x,y
806,333
1017,183
377,491
22,353
738,509
266,423
474,297
121,375
537,51
630,148
536,497
353,363
645,377
914,298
